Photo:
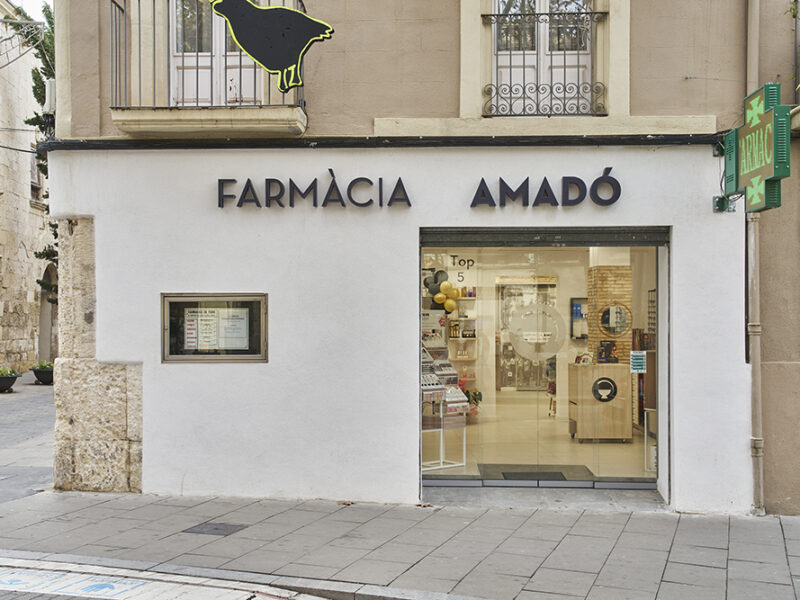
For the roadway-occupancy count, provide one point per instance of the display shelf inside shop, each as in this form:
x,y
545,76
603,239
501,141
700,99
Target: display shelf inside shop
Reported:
x,y
444,408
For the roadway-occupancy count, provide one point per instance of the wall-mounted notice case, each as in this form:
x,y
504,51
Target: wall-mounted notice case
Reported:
x,y
214,327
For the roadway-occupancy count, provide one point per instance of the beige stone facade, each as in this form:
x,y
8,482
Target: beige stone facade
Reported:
x,y
413,68
23,220
98,434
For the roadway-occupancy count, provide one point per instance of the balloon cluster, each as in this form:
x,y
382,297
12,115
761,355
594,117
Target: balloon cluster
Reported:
x,y
443,292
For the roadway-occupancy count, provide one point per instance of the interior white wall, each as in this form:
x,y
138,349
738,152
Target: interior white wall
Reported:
x,y
335,412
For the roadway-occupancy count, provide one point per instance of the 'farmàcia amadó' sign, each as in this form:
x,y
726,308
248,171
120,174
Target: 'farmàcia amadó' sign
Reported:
x,y
757,152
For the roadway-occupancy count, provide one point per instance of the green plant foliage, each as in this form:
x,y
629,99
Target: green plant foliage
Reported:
x,y
8,372
44,365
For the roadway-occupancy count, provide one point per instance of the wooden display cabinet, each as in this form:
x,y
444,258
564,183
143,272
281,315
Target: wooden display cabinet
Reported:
x,y
593,419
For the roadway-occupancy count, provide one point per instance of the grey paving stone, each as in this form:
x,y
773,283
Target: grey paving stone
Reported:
x,y
791,526
699,555
442,567
294,517
702,530
358,513
102,561
215,508
766,553
647,541
266,532
260,561
500,519
183,501
683,591
224,574
327,529
132,538
599,592
476,532
444,523
368,570
396,552
539,531
334,590
199,560
495,586
300,570
653,523
633,569
756,530
794,565
427,583
527,546
169,547
152,512
332,556
424,537
793,547
229,547
323,506
562,518
296,543
409,513
580,553
756,571
173,523
753,590
464,549
46,529
695,575
528,595
559,581
509,564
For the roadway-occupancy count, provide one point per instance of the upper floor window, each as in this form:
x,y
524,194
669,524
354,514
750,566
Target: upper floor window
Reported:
x,y
545,59
179,53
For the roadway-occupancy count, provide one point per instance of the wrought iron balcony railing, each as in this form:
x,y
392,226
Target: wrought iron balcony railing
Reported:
x,y
179,54
546,64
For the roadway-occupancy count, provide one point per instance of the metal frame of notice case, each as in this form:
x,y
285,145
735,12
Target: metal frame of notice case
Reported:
x,y
167,298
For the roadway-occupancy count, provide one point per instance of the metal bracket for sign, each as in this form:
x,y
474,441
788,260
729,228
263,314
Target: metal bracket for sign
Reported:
x,y
725,203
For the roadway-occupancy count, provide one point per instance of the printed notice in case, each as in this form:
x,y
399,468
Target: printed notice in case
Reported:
x,y
638,361
216,329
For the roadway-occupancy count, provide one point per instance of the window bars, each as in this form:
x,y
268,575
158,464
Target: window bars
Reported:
x,y
545,63
179,54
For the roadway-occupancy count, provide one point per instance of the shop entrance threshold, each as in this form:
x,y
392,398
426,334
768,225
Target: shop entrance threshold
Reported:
x,y
539,483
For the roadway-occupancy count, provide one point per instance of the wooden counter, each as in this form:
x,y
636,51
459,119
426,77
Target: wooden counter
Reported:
x,y
592,419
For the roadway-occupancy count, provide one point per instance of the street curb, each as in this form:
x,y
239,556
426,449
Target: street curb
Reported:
x,y
320,588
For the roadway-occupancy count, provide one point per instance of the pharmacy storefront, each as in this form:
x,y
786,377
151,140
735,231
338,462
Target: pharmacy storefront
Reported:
x,y
359,323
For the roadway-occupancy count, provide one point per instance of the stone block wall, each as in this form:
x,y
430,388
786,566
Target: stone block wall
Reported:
x,y
23,218
98,433
609,285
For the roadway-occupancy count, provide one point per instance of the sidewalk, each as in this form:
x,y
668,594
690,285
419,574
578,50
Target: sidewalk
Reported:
x,y
366,551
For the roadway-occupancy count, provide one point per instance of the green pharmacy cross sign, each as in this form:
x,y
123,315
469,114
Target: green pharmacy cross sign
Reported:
x,y
757,152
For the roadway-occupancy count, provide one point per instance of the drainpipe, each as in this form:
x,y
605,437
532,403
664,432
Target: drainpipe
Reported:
x,y
754,338
753,40
754,285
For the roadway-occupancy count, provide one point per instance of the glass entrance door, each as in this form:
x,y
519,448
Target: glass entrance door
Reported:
x,y
545,358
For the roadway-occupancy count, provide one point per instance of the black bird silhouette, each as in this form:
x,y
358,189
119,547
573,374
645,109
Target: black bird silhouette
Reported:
x,y
275,37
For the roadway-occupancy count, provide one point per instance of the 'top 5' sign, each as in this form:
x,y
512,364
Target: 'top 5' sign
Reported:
x,y
757,152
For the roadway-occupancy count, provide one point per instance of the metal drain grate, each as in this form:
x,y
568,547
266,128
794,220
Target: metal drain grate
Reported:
x,y
215,528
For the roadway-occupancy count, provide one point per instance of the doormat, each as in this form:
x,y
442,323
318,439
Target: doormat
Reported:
x,y
534,472
535,475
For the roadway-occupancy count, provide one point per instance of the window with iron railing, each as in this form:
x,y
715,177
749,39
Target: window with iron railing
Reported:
x,y
179,53
547,59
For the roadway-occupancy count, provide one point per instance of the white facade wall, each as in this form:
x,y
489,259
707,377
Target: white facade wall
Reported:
x,y
335,412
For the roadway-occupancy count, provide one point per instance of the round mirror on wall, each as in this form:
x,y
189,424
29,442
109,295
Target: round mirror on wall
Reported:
x,y
615,320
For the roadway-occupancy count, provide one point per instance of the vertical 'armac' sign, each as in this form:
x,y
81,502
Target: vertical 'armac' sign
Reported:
x,y
757,152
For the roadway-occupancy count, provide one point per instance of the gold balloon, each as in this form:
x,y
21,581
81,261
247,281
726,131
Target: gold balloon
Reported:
x,y
446,285
452,293
450,305
439,298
